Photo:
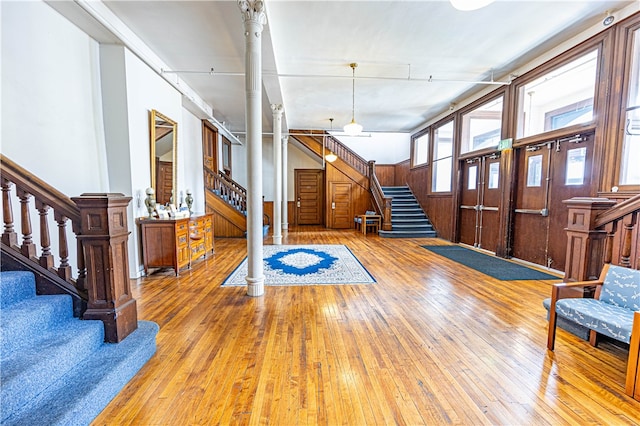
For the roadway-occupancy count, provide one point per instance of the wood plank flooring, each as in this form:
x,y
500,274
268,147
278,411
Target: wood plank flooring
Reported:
x,y
432,342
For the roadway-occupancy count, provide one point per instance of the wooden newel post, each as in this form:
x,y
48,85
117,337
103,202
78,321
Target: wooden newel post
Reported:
x,y
104,235
585,244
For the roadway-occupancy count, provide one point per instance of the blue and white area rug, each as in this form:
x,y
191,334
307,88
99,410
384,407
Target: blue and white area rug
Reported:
x,y
306,265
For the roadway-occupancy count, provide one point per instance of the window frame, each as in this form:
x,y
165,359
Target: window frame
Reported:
x,y
491,97
450,119
599,96
414,140
620,89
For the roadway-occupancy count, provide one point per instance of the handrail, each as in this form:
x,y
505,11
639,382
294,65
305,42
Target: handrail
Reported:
x,y
232,183
618,211
348,155
102,278
39,189
383,204
226,189
342,151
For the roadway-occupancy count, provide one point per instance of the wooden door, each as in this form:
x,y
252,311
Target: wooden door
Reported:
x,y
309,195
548,174
341,215
164,182
480,202
469,201
209,146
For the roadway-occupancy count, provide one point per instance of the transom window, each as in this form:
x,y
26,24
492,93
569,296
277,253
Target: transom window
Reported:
x,y
560,98
482,127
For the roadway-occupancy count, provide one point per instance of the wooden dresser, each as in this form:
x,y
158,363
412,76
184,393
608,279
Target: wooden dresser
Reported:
x,y
175,243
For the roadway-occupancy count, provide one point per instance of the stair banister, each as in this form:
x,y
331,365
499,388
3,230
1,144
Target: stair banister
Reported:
x,y
600,231
99,222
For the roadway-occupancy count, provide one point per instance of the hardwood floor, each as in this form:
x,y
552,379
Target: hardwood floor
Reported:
x,y
431,342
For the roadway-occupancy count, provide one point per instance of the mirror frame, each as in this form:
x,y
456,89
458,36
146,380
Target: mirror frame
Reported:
x,y
156,117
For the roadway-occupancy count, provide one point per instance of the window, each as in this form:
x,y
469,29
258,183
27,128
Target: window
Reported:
x,y
560,98
482,127
629,170
442,158
494,175
473,178
420,150
576,159
534,171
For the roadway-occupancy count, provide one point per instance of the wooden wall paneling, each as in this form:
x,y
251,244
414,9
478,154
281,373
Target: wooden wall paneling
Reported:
x,y
401,173
386,174
267,209
360,197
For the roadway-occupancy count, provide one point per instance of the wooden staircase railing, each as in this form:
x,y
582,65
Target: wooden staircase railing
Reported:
x,y
382,203
600,231
343,152
227,189
99,222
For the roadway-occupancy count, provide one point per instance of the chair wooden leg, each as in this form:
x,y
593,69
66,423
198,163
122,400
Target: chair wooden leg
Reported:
x,y
632,384
553,319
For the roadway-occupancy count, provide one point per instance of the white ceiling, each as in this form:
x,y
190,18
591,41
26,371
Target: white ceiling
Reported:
x,y
309,45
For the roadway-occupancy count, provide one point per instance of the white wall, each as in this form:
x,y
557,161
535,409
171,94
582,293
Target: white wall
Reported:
x,y
51,106
51,113
383,148
76,114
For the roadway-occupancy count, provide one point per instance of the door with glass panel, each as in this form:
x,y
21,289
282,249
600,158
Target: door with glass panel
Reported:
x,y
549,173
480,202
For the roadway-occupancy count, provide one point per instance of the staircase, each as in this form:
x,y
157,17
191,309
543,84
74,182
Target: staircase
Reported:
x,y
56,369
408,218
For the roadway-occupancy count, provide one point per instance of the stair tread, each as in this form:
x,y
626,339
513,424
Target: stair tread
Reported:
x,y
89,387
15,287
29,371
20,321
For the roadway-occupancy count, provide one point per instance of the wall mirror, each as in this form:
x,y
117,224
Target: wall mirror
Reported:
x,y
164,157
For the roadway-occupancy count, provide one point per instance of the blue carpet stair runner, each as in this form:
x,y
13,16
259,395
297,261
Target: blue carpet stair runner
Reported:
x,y
56,369
408,220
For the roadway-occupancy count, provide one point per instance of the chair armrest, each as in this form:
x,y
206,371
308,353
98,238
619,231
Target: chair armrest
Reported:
x,y
573,290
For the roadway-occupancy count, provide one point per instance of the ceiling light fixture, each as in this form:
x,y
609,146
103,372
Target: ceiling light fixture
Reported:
x,y
353,128
467,5
330,157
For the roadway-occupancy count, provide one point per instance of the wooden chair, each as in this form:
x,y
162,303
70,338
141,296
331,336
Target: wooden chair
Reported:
x,y
613,311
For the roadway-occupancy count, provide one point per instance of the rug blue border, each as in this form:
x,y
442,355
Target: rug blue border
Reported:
x,y
358,260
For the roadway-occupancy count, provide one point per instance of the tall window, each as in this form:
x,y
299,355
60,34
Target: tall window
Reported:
x,y
420,152
560,98
482,127
442,158
629,170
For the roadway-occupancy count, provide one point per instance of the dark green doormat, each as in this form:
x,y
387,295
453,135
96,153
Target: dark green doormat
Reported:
x,y
495,267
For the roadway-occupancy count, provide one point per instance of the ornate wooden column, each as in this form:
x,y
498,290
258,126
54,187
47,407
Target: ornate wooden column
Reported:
x,y
585,244
254,17
104,234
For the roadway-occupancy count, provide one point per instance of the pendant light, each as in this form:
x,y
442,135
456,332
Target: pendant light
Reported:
x,y
466,5
330,157
353,128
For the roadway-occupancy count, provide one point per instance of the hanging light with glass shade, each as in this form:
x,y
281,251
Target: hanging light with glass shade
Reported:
x,y
353,128
330,157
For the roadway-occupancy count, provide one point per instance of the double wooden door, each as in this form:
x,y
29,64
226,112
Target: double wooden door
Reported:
x,y
549,173
480,202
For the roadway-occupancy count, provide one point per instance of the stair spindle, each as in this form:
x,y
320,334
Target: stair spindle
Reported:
x,y
28,248
628,224
9,236
82,269
46,258
64,270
